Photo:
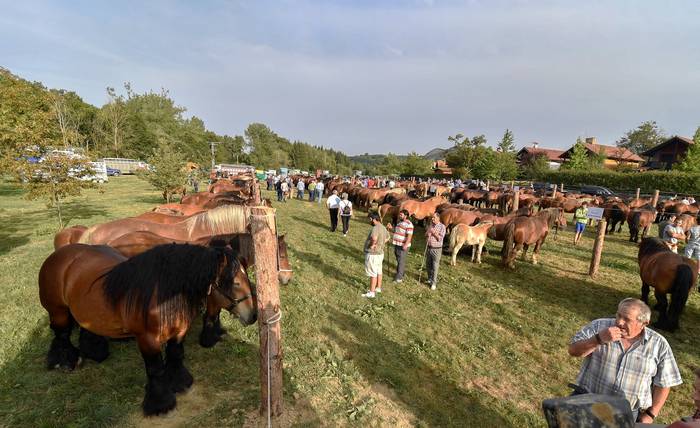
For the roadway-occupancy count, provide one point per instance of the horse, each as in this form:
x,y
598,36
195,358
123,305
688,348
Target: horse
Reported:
x,y
640,218
614,213
68,235
178,209
174,190
422,210
152,297
471,235
668,273
453,216
521,232
217,221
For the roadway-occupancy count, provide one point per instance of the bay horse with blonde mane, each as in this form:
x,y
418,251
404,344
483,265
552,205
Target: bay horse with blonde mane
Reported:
x,y
218,221
668,273
153,297
471,235
521,232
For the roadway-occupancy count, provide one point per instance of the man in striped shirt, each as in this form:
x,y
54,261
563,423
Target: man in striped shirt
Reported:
x,y
401,240
621,356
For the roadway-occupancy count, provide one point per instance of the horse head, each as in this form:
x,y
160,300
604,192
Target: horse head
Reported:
x,y
232,290
285,269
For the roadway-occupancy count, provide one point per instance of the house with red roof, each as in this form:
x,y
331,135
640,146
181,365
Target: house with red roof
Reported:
x,y
527,154
614,156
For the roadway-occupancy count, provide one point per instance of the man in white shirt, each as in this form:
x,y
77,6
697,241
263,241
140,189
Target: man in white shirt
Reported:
x,y
300,189
319,190
333,204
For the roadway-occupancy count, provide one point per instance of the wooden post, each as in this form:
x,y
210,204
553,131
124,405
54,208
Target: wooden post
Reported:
x,y
516,201
257,200
656,199
554,193
488,185
597,248
637,197
512,184
262,229
561,187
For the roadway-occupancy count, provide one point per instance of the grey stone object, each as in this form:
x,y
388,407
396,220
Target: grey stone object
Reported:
x,y
588,411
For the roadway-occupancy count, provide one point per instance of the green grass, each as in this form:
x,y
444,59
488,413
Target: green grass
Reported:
x,y
483,350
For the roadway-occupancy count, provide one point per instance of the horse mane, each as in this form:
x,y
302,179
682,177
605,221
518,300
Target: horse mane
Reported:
x,y
651,246
222,220
176,276
551,214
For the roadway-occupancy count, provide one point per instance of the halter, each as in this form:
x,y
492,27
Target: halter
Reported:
x,y
234,301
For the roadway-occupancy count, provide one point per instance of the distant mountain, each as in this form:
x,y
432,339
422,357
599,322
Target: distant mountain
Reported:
x,y
436,154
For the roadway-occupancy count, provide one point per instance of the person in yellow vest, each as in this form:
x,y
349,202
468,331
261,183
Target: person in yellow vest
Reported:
x,y
580,218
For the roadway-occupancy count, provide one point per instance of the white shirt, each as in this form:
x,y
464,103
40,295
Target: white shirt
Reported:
x,y
333,201
344,204
300,185
319,185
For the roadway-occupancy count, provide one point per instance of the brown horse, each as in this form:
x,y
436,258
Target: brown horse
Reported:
x,y
471,235
153,297
521,232
640,219
178,209
69,235
668,273
422,210
218,221
175,190
453,216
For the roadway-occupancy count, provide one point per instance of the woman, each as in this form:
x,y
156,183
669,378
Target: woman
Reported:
x,y
345,208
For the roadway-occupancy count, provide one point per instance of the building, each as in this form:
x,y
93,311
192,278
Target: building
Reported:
x,y
526,154
614,156
440,167
668,153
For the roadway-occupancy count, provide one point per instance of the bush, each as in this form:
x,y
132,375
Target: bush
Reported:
x,y
665,181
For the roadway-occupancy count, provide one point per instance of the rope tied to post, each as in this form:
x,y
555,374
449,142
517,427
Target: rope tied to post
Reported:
x,y
274,319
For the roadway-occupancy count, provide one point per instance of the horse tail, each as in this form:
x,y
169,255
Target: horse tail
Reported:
x,y
679,293
453,237
509,235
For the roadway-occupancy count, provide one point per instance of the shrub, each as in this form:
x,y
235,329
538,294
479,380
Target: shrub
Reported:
x,y
666,181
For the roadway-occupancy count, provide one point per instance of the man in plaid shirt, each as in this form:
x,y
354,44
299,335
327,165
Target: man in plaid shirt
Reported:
x,y
624,357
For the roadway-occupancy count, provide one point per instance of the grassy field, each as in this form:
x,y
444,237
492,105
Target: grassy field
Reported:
x,y
483,350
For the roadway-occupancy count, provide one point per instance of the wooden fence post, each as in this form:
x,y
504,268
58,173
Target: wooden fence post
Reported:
x,y
637,197
516,201
597,248
257,200
554,193
561,187
656,199
262,229
488,185
512,184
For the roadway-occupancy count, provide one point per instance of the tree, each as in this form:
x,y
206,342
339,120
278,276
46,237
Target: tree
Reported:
x,y
691,161
597,160
643,138
579,157
168,169
114,116
505,166
415,164
507,143
535,166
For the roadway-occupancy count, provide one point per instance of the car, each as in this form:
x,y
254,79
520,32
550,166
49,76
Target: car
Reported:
x,y
113,172
597,191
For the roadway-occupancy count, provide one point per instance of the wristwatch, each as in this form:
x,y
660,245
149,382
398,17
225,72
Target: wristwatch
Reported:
x,y
649,413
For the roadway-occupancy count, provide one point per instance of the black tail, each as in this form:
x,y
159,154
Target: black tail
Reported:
x,y
634,226
679,294
508,243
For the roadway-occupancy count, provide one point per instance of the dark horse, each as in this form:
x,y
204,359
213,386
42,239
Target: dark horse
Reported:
x,y
668,273
521,232
153,296
640,219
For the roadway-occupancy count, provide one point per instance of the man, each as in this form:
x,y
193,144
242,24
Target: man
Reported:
x,y
580,218
392,184
333,203
312,190
401,240
623,357
662,224
672,233
435,235
278,188
692,248
285,190
319,190
300,189
374,255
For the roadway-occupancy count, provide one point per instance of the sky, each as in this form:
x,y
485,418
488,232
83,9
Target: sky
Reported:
x,y
378,76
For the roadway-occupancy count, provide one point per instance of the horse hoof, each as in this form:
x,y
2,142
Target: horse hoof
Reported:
x,y
158,402
181,380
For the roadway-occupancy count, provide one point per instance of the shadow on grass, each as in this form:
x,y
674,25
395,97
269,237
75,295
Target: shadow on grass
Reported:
x,y
226,386
311,222
433,399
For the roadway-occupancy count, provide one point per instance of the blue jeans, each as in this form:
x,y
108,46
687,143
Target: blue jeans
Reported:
x,y
319,195
580,227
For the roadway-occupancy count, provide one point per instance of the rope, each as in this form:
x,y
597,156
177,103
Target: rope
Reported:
x,y
272,320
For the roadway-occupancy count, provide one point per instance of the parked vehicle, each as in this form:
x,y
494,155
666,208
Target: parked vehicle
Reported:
x,y
597,191
113,172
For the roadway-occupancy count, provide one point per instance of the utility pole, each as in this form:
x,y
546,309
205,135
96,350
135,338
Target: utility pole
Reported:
x,y
213,144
